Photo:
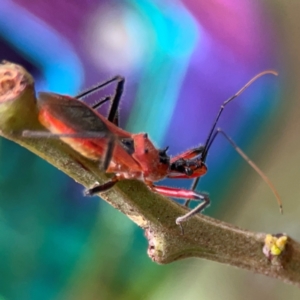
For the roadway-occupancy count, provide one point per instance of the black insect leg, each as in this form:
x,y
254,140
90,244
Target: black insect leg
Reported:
x,y
199,208
101,188
108,153
113,115
193,188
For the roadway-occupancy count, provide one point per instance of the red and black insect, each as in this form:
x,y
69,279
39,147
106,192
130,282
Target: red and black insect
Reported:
x,y
127,155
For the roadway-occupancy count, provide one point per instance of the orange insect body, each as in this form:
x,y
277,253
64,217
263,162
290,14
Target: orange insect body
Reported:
x,y
129,156
143,163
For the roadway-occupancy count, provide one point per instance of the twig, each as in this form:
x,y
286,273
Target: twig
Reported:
x,y
203,236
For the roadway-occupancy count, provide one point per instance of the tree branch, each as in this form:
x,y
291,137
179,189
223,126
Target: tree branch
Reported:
x,y
204,237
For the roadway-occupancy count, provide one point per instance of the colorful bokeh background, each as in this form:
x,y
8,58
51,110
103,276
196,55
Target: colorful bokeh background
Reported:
x,y
181,60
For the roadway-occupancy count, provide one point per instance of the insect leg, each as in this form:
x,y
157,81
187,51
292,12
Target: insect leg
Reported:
x,y
113,115
108,153
199,208
185,194
185,160
193,188
97,87
50,135
250,162
101,188
87,134
100,102
115,99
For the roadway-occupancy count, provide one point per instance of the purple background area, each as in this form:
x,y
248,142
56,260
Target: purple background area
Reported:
x,y
181,61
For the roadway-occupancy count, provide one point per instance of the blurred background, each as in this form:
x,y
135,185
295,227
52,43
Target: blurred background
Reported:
x,y
181,60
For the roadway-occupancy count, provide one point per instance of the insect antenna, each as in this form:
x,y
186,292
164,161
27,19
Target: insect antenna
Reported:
x,y
251,163
213,133
209,138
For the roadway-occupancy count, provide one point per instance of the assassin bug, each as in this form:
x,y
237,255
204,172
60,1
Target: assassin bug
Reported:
x,y
129,156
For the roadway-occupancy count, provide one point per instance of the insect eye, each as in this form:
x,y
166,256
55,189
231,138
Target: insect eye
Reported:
x,y
128,145
188,171
163,157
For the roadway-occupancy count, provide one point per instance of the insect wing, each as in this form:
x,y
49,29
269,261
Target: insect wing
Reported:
x,y
66,115
70,111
